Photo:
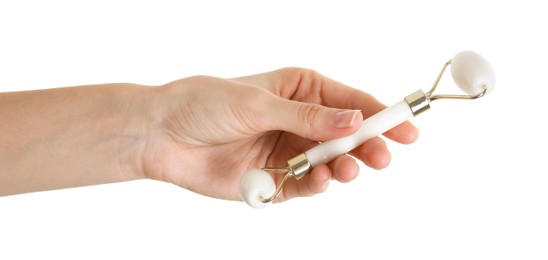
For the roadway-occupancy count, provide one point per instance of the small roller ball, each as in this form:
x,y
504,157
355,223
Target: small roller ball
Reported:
x,y
472,73
255,185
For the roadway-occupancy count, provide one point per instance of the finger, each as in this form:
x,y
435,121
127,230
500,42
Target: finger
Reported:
x,y
346,97
309,86
311,121
405,133
373,153
313,183
331,93
344,168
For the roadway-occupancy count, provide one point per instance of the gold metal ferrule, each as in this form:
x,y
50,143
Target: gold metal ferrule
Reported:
x,y
418,102
299,165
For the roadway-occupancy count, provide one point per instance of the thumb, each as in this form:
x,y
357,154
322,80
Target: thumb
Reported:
x,y
313,121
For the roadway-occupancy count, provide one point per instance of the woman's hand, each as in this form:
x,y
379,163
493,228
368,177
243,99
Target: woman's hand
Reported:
x,y
207,131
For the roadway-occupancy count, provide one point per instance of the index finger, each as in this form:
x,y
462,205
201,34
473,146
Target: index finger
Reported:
x,y
314,87
309,86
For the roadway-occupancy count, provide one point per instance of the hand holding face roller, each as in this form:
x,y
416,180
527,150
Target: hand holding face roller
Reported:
x,y
471,72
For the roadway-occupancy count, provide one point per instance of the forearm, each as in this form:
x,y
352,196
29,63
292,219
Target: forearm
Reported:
x,y
69,137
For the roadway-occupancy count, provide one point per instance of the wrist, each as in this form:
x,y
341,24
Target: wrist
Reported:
x,y
138,121
162,137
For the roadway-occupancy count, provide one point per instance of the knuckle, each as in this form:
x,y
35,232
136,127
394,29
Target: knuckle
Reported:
x,y
309,113
293,70
301,73
303,84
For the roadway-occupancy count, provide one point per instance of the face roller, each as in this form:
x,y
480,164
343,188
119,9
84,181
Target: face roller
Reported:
x,y
471,72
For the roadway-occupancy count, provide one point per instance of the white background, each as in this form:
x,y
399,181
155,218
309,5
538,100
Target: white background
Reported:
x,y
473,187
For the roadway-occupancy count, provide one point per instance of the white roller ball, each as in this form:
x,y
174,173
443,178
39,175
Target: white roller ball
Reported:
x,y
471,73
254,185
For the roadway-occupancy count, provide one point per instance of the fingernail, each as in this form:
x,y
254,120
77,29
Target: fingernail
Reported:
x,y
345,119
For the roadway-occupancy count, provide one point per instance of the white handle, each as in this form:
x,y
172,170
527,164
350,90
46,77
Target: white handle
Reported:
x,y
371,127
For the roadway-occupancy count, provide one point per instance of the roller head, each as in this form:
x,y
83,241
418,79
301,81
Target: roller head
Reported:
x,y
471,73
256,184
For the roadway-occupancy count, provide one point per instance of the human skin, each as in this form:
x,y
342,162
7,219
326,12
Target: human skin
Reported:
x,y
201,133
